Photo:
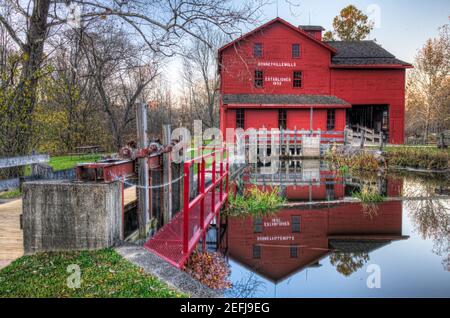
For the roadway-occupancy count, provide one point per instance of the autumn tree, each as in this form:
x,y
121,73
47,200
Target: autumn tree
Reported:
x,y
350,25
67,113
161,25
428,87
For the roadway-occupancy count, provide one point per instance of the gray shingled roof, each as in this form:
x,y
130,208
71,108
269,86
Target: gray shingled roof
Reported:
x,y
362,53
360,246
282,99
311,27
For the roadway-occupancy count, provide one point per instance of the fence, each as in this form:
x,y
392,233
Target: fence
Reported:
x,y
289,142
363,136
13,162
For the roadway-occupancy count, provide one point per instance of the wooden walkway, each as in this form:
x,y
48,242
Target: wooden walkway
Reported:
x,y
11,237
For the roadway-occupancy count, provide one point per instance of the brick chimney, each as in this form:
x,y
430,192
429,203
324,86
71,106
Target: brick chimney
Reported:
x,y
313,30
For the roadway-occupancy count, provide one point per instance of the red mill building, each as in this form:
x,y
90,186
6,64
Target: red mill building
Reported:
x,y
283,76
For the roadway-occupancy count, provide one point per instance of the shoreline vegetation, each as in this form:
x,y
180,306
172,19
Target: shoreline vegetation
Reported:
x,y
254,202
423,158
428,159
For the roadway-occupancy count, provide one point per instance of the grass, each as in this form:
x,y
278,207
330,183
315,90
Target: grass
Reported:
x,y
11,194
104,273
255,202
369,195
67,162
418,157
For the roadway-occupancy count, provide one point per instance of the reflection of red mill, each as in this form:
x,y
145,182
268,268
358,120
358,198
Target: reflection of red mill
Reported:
x,y
278,246
310,183
278,252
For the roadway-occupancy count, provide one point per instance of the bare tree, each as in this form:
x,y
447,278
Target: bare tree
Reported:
x,y
161,25
202,80
121,72
428,85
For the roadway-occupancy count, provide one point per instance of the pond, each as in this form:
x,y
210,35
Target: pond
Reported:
x,y
324,244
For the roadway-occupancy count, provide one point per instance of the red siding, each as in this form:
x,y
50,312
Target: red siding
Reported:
x,y
238,65
370,87
298,118
356,86
257,119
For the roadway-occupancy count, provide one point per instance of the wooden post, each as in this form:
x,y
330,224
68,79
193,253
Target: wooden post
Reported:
x,y
143,175
362,134
287,145
167,177
295,143
381,140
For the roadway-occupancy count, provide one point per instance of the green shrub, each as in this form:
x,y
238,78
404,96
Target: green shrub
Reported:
x,y
255,202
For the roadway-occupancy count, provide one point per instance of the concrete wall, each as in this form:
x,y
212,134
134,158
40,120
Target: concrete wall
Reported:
x,y
64,215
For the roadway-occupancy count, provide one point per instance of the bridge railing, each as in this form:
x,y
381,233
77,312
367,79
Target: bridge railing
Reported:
x,y
13,162
199,211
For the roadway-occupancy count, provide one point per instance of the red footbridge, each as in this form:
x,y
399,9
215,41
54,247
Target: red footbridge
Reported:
x,y
176,240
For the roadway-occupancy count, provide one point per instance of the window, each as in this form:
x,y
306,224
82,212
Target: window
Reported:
x,y
295,51
295,222
256,251
297,79
259,79
258,50
331,118
282,118
293,251
257,225
240,118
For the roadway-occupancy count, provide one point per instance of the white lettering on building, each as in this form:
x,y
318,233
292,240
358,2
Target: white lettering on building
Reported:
x,y
276,223
276,64
277,81
275,238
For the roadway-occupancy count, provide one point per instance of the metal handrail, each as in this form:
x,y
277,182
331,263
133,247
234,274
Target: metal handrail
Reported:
x,y
189,242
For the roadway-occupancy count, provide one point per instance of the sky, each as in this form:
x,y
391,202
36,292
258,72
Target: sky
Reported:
x,y
401,26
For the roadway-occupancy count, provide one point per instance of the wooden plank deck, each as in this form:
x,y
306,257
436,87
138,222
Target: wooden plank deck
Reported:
x,y
11,236
130,195
11,239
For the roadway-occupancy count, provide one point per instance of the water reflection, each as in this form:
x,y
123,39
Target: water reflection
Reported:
x,y
322,244
316,181
277,247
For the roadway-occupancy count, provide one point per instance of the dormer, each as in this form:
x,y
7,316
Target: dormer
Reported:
x,y
314,31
